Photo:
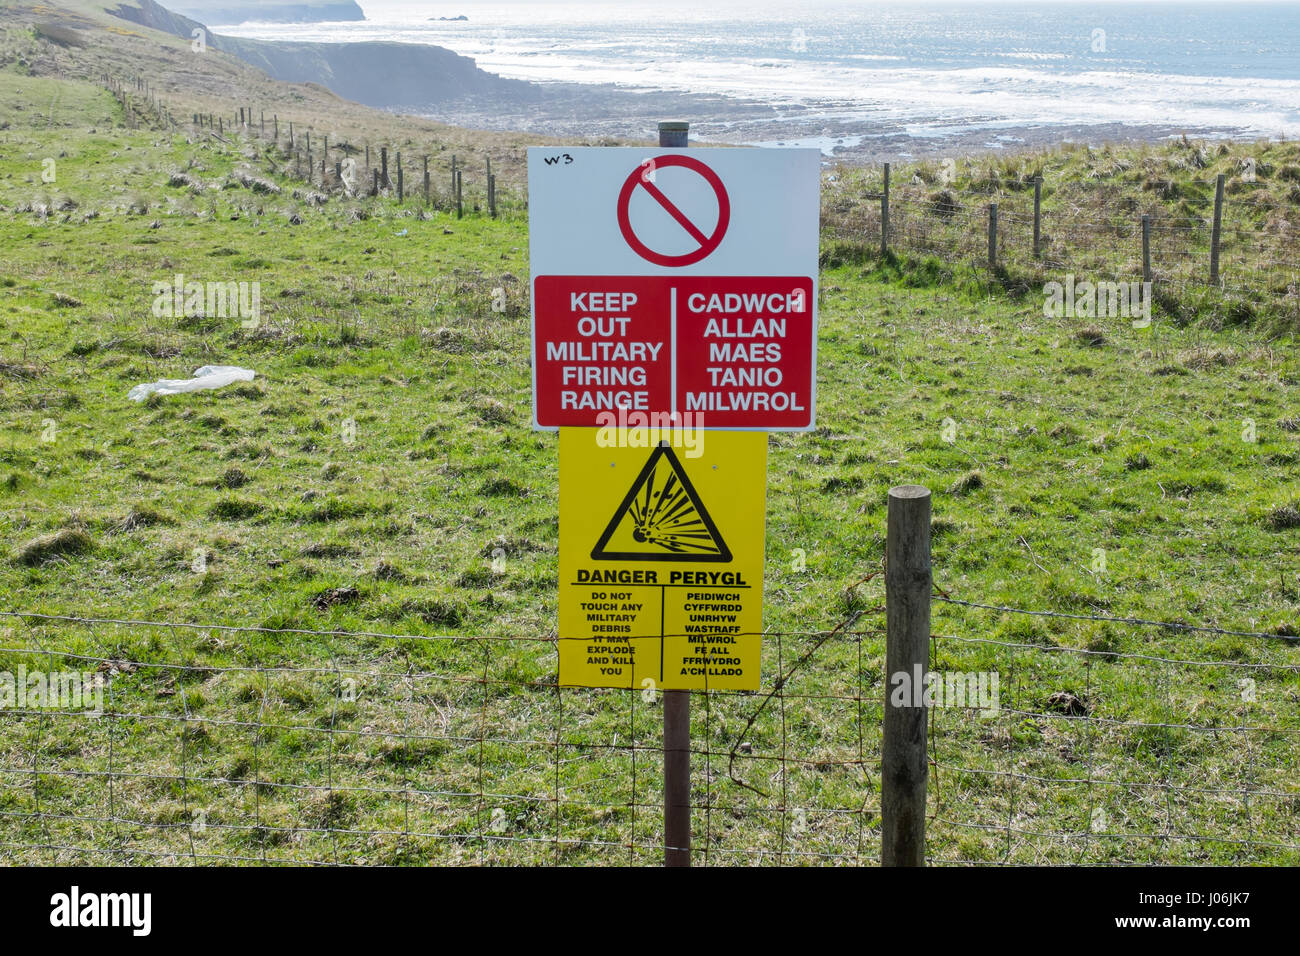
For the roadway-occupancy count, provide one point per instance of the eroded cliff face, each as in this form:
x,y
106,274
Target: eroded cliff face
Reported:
x,y
375,74
234,11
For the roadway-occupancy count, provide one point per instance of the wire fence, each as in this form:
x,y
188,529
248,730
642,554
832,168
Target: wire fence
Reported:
x,y
1098,755
1091,230
301,151
205,744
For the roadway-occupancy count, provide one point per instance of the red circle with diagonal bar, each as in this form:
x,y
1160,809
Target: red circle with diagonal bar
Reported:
x,y
707,243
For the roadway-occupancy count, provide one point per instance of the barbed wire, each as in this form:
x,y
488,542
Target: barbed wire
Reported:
x,y
1171,625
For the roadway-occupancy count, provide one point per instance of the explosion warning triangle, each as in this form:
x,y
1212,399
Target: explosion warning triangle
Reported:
x,y
661,518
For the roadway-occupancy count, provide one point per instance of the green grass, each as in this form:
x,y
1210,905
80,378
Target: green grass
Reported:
x,y
1093,200
364,480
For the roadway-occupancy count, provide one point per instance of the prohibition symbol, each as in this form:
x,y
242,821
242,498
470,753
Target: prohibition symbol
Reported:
x,y
641,177
661,519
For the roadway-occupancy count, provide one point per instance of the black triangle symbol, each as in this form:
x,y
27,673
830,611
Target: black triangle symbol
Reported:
x,y
662,518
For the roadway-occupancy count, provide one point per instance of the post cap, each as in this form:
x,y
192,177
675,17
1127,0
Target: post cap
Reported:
x,y
909,491
674,126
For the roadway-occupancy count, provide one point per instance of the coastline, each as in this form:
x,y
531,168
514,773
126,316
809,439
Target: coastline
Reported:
x,y
845,133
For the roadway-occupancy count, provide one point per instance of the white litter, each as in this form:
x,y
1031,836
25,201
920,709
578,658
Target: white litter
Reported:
x,y
209,376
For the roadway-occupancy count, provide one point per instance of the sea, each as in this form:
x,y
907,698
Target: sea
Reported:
x,y
926,69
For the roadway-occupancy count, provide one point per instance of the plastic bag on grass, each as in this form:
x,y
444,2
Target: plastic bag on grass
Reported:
x,y
209,376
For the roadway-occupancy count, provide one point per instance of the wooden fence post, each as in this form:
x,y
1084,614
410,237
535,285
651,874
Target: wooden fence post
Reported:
x,y
460,209
993,235
904,764
1214,235
1038,215
401,187
426,180
1146,248
884,216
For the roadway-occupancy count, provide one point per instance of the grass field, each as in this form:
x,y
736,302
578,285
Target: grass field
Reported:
x,y
382,455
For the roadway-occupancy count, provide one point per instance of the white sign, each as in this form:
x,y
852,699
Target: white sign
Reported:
x,y
576,195
674,282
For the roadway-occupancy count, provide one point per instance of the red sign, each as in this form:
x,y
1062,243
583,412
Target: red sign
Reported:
x,y
744,356
601,344
733,352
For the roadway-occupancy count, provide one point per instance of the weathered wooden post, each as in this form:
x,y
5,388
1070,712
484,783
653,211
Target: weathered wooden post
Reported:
x,y
492,195
291,134
453,175
884,216
383,167
993,235
460,209
1038,215
904,765
401,188
677,703
426,180
1146,248
1214,235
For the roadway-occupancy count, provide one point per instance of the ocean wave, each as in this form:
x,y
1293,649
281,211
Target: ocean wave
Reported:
x,y
913,65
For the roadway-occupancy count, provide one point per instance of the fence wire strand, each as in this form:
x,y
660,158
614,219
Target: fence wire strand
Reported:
x,y
406,749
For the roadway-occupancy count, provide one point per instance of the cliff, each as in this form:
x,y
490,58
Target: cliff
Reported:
x,y
233,11
376,74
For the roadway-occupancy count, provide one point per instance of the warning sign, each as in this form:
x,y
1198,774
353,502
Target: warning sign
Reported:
x,y
684,285
661,558
662,518
732,352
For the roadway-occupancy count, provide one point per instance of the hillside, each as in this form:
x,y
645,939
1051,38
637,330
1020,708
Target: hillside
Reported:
x,y
217,83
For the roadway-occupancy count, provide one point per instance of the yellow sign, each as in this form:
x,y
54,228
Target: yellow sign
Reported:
x,y
661,558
